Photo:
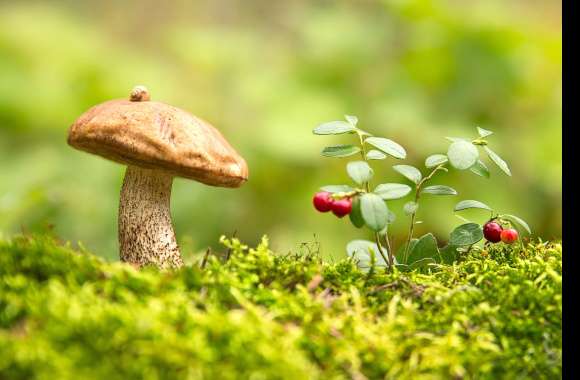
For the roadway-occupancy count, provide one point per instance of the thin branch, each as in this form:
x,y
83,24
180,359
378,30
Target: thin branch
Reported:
x,y
418,189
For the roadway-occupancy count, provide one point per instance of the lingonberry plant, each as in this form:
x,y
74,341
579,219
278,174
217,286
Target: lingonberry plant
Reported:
x,y
367,205
500,227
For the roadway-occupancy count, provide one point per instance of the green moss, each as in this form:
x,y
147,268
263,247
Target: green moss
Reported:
x,y
70,315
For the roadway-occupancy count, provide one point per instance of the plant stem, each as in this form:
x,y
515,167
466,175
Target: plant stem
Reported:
x,y
378,241
346,194
368,190
418,189
410,235
389,251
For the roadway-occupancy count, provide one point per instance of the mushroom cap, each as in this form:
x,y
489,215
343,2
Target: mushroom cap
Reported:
x,y
155,135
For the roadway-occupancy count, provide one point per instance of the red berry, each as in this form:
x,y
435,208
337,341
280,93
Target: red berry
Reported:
x,y
492,232
322,201
342,207
509,236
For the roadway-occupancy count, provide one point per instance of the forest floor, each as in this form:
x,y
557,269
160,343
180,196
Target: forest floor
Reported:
x,y
65,314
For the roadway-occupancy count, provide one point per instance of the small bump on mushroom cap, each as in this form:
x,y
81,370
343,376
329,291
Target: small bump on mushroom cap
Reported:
x,y
140,94
155,135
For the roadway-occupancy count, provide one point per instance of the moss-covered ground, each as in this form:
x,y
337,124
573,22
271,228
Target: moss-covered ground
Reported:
x,y
494,314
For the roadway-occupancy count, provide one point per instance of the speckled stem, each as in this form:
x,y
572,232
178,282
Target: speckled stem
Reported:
x,y
145,231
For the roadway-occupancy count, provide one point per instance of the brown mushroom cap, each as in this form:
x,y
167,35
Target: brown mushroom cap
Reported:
x,y
155,135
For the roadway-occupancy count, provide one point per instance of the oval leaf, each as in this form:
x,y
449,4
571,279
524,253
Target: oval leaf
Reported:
x,y
334,128
463,205
374,154
435,159
387,146
400,255
439,190
466,234
462,155
337,188
425,248
448,254
358,246
351,119
340,151
480,169
361,251
355,214
410,172
498,161
374,211
359,171
410,207
483,132
389,191
517,221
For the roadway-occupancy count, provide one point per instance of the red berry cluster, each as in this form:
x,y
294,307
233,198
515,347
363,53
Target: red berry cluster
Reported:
x,y
323,202
494,233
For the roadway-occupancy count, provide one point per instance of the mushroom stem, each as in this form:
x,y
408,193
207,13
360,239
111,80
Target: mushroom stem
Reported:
x,y
146,234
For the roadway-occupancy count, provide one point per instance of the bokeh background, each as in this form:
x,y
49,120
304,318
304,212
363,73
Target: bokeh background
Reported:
x,y
265,73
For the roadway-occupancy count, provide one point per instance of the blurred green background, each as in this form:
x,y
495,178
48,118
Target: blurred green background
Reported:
x,y
265,73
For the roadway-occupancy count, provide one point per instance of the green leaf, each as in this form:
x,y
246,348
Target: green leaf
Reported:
x,y
462,155
340,151
401,251
389,191
455,139
359,171
337,188
410,207
463,205
480,169
334,128
353,120
448,254
518,221
410,172
374,211
466,234
355,214
483,132
498,161
374,154
435,159
361,251
425,248
387,146
439,190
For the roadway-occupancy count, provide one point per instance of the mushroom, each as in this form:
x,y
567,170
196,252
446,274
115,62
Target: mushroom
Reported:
x,y
157,142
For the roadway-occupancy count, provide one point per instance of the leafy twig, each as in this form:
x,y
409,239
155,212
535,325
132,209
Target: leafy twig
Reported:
x,y
418,189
